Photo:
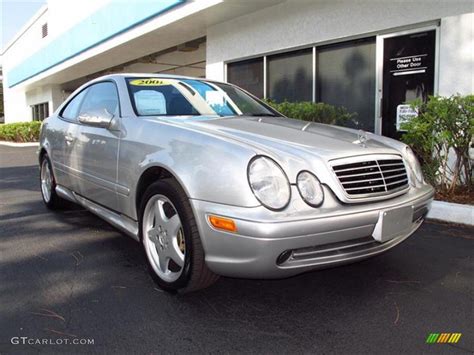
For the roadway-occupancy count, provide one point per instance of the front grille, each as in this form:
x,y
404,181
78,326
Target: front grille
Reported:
x,y
372,177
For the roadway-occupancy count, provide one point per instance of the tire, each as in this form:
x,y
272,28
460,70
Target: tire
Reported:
x,y
173,266
51,198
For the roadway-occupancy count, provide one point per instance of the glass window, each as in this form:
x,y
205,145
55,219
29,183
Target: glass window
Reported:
x,y
71,111
346,77
228,100
217,100
158,97
163,97
99,97
40,111
290,76
247,105
248,75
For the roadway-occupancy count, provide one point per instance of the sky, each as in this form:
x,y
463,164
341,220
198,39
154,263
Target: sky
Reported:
x,y
14,14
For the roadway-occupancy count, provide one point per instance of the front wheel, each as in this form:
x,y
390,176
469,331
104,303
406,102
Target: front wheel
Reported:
x,y
171,239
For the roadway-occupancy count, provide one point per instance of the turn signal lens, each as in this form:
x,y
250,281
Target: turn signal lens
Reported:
x,y
223,223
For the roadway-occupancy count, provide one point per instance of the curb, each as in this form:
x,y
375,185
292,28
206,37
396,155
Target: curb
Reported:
x,y
19,145
452,212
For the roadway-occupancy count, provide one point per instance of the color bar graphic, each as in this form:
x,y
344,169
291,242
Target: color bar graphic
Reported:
x,y
443,338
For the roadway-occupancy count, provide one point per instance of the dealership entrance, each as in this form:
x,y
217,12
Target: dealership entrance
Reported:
x,y
408,73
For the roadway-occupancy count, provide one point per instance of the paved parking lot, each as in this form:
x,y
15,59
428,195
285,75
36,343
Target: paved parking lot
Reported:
x,y
69,275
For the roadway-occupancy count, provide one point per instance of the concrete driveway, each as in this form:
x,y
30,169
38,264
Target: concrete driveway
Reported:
x,y
69,276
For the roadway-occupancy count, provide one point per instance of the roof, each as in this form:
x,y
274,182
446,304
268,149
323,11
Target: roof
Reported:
x,y
152,75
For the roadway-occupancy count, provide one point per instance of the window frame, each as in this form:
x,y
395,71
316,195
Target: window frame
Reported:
x,y
86,88
36,109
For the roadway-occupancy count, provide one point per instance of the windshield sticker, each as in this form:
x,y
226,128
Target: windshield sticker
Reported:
x,y
149,82
150,102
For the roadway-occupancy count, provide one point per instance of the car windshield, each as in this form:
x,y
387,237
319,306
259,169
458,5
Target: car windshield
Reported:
x,y
190,97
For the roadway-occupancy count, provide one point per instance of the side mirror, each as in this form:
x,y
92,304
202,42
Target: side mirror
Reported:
x,y
100,118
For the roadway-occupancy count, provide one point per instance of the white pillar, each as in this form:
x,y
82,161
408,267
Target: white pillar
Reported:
x,y
215,71
456,56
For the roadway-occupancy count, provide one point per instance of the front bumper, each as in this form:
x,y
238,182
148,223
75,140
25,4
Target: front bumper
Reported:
x,y
281,244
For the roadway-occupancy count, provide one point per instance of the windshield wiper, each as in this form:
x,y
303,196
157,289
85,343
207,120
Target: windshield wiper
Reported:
x,y
261,115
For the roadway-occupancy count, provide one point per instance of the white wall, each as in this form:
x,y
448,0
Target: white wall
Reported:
x,y
215,71
52,94
456,60
16,109
302,22
20,102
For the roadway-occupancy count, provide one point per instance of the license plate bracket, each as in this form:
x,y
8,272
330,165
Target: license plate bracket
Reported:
x,y
393,223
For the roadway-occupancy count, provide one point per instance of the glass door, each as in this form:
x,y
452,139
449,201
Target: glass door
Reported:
x,y
407,73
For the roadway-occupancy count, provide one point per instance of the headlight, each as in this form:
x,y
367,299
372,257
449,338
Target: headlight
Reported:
x,y
269,183
310,188
414,165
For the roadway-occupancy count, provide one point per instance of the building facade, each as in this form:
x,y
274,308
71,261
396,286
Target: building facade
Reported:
x,y
369,56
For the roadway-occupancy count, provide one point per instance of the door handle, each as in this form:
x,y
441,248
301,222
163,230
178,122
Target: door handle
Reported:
x,y
68,139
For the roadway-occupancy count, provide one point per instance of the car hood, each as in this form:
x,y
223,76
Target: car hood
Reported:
x,y
280,135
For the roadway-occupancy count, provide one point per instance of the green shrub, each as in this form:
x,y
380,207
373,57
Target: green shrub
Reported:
x,y
20,132
314,112
443,125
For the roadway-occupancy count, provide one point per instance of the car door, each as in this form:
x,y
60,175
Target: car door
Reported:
x,y
97,144
64,134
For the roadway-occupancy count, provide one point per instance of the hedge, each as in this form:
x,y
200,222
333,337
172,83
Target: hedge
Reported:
x,y
313,111
20,132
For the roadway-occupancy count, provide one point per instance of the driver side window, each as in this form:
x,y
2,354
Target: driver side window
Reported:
x,y
100,97
71,111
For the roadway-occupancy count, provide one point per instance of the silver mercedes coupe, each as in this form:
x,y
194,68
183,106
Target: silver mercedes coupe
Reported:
x,y
212,181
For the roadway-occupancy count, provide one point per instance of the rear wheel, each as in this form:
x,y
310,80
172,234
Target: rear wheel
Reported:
x,y
171,239
48,185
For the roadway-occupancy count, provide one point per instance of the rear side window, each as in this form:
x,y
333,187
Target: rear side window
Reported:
x,y
100,97
71,111
158,97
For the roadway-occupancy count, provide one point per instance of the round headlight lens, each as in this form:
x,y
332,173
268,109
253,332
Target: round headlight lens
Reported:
x,y
269,183
414,164
310,188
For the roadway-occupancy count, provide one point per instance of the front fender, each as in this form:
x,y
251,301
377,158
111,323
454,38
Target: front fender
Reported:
x,y
209,168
